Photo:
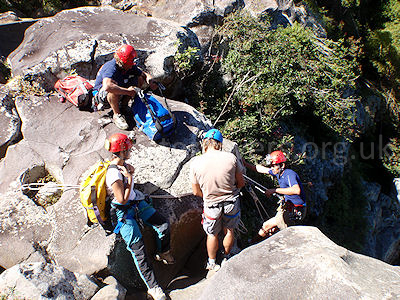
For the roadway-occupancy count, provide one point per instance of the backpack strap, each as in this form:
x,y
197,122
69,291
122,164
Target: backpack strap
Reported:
x,y
93,198
156,121
161,88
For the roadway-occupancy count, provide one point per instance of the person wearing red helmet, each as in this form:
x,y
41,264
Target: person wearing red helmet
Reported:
x,y
293,209
116,80
128,205
216,176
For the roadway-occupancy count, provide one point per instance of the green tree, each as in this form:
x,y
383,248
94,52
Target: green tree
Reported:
x,y
277,73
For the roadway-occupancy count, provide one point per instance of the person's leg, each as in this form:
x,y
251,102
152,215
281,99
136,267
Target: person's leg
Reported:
x,y
230,220
162,228
212,246
212,225
267,227
113,99
229,239
132,236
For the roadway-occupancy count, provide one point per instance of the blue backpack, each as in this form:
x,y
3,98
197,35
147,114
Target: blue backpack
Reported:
x,y
151,117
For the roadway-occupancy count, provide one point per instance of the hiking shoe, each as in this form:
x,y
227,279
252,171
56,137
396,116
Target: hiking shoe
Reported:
x,y
165,257
120,122
157,293
212,267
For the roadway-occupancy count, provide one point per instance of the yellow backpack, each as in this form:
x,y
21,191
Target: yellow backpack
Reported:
x,y
93,192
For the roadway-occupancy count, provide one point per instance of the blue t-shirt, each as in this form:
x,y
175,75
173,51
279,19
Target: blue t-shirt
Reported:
x,y
290,178
123,78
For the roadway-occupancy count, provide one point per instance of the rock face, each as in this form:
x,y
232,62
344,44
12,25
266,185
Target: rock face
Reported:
x,y
383,218
301,263
42,280
10,122
63,141
79,39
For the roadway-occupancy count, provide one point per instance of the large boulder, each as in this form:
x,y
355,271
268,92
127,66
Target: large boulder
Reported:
x,y
10,122
302,263
383,229
80,39
62,141
45,281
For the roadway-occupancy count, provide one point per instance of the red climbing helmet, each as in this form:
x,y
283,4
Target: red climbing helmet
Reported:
x,y
127,54
118,142
275,157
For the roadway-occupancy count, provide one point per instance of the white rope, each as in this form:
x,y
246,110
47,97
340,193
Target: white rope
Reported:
x,y
38,185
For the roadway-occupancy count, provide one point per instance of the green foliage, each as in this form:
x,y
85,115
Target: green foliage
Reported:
x,y
185,60
26,88
391,161
277,73
5,70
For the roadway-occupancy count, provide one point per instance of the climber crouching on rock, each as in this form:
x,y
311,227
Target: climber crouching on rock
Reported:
x,y
292,210
216,176
116,81
128,207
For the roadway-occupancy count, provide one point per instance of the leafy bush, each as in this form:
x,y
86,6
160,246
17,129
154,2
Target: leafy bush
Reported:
x,y
278,73
391,161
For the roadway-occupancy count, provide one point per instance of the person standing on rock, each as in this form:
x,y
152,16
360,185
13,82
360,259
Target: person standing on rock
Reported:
x,y
292,209
116,81
128,207
216,177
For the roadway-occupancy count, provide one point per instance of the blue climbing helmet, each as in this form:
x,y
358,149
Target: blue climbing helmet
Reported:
x,y
214,134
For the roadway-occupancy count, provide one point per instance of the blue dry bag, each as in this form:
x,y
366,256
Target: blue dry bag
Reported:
x,y
151,117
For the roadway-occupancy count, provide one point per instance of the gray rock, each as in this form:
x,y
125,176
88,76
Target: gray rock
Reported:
x,y
80,39
112,291
396,182
188,13
60,139
383,223
286,12
24,227
301,263
45,281
8,17
10,123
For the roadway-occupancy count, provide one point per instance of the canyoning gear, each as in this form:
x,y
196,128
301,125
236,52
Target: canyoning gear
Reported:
x,y
276,157
157,293
76,90
151,117
120,121
223,214
214,134
127,54
93,193
118,142
165,257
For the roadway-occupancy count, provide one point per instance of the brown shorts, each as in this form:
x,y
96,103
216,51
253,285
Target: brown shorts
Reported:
x,y
285,217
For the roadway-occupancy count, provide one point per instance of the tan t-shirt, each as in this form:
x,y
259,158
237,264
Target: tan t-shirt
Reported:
x,y
215,171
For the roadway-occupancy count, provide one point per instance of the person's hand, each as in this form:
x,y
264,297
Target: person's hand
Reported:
x,y
153,84
269,192
131,91
130,168
125,172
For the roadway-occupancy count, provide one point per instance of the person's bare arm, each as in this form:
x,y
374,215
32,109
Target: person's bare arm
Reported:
x,y
111,86
197,190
